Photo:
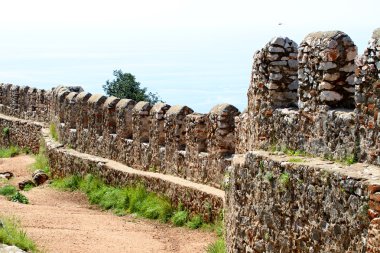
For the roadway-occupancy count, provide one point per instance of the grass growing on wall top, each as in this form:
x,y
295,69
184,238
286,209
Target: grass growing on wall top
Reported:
x,y
12,234
136,199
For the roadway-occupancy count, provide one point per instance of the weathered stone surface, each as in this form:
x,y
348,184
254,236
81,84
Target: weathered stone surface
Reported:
x,y
279,206
39,177
330,96
326,57
24,183
6,175
274,79
10,249
192,196
367,95
324,79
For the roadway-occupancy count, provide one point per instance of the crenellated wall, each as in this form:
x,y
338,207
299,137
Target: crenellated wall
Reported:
x,y
277,203
319,98
336,111
161,138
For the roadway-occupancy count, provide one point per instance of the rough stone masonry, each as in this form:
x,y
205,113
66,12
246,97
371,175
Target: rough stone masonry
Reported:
x,y
319,99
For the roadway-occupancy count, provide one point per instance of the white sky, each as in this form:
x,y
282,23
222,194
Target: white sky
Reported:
x,y
180,49
188,13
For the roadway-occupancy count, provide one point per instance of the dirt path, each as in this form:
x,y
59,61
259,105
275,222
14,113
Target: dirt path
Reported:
x,y
65,222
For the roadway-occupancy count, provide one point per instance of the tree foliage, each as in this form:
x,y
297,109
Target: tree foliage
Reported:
x,y
125,86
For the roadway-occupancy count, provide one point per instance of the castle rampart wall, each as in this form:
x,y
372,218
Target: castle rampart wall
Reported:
x,y
335,116
319,99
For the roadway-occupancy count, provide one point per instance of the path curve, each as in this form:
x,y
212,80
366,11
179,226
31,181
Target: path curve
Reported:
x,y
65,222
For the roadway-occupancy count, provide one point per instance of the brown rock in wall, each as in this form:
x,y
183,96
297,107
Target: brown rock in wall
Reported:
x,y
157,137
367,99
175,139
326,71
141,124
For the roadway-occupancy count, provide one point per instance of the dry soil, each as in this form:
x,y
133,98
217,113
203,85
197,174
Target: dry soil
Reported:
x,y
65,222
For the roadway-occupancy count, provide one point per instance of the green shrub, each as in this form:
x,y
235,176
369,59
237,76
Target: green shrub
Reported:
x,y
11,234
179,218
20,198
8,190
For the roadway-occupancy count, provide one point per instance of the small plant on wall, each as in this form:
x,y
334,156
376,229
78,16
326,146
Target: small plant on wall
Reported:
x,y
284,181
6,131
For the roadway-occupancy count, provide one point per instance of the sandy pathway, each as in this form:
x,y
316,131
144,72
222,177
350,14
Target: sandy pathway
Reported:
x,y
65,222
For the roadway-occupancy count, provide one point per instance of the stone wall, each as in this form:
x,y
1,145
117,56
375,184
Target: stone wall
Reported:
x,y
24,102
21,133
336,114
162,138
319,98
197,199
311,206
367,100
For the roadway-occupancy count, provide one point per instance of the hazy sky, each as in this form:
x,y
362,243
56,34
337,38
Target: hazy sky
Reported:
x,y
192,52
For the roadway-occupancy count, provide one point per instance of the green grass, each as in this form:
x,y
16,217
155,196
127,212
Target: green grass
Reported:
x,y
13,194
195,222
217,247
28,187
53,131
9,152
11,234
180,218
292,152
8,190
120,200
136,200
284,180
349,159
41,160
